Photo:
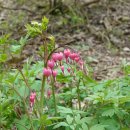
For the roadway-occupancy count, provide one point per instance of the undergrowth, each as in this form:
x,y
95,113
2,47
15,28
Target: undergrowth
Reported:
x,y
57,92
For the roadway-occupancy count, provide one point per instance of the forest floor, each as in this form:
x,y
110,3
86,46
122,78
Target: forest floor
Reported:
x,y
100,31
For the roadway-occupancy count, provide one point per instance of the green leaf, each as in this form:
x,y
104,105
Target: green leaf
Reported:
x,y
69,119
65,110
84,126
36,85
55,118
23,40
98,127
124,99
72,127
125,128
11,78
111,124
23,90
23,123
45,120
87,120
60,124
4,39
44,23
3,57
109,112
98,87
78,119
15,49
32,30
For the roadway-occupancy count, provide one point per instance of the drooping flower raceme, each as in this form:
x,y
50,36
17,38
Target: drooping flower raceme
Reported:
x,y
71,59
56,60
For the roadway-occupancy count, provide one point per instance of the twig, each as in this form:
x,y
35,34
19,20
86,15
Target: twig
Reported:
x,y
24,9
91,2
53,9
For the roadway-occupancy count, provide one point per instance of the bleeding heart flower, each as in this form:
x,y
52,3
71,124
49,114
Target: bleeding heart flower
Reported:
x,y
50,64
67,53
73,56
54,57
47,72
77,59
60,56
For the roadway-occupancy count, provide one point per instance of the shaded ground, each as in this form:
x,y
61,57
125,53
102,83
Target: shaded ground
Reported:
x,y
101,31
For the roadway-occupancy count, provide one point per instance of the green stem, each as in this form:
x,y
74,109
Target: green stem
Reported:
x,y
42,127
25,80
78,94
54,97
42,92
44,78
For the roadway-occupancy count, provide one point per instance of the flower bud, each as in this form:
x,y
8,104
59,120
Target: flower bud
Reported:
x,y
54,73
62,69
68,69
81,63
48,93
33,93
32,99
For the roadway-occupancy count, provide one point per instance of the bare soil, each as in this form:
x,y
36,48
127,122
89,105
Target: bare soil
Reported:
x,y
100,31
